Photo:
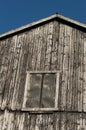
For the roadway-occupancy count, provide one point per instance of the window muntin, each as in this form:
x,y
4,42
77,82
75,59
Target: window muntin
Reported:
x,y
41,90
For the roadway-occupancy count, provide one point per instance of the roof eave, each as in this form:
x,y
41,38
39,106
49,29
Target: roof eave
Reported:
x,y
33,24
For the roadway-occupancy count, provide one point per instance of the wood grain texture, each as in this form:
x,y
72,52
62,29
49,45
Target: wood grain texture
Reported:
x,y
55,47
56,121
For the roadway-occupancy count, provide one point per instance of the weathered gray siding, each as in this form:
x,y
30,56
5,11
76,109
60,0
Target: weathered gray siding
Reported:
x,y
53,121
51,47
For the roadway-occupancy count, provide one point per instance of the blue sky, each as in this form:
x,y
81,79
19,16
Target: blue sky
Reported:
x,y
15,13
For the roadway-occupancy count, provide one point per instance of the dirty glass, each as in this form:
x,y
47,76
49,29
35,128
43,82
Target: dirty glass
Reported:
x,y
34,92
42,90
48,93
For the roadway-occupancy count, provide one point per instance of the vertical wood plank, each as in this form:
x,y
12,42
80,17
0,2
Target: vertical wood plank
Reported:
x,y
84,84
57,90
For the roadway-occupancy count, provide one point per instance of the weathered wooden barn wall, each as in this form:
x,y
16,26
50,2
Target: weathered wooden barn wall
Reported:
x,y
53,121
54,46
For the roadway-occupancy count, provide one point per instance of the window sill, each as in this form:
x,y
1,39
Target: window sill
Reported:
x,y
40,110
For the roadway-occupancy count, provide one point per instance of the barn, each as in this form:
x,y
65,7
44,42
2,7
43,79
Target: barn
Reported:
x,y
43,76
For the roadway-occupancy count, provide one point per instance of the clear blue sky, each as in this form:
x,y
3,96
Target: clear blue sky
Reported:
x,y
15,13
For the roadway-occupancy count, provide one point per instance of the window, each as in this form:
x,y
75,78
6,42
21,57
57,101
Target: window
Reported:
x,y
41,90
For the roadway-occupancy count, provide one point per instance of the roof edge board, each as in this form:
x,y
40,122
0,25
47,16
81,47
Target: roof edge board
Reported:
x,y
72,21
28,26
42,21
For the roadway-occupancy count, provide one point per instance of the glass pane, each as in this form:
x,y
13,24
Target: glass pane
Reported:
x,y
34,93
48,92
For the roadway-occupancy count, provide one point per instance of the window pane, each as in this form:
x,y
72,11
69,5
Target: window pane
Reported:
x,y
48,92
34,93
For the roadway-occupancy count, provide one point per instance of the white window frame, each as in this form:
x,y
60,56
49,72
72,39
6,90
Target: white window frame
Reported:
x,y
27,88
